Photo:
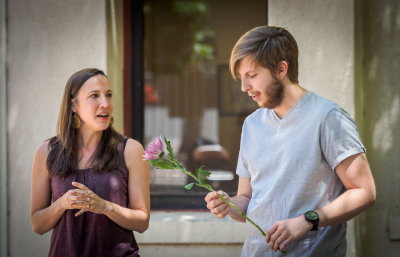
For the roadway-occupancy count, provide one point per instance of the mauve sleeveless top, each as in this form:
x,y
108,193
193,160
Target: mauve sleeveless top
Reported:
x,y
92,234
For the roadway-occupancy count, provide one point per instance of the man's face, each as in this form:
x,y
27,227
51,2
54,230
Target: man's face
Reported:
x,y
259,84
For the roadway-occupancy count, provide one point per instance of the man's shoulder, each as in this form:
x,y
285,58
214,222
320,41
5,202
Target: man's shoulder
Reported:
x,y
256,115
320,105
322,101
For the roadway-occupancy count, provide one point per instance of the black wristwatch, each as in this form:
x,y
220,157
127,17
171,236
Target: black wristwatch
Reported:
x,y
313,218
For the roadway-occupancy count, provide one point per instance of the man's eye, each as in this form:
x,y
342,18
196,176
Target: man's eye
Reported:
x,y
252,75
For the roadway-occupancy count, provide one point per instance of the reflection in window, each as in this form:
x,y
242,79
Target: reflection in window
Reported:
x,y
186,44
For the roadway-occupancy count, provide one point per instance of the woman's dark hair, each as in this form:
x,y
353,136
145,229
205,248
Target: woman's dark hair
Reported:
x,y
63,156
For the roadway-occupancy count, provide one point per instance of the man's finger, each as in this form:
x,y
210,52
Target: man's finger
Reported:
x,y
284,244
208,197
278,241
270,232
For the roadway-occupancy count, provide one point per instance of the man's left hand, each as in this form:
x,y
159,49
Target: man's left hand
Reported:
x,y
284,232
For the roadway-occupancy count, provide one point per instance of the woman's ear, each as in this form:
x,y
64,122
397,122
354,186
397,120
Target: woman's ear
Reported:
x,y
73,104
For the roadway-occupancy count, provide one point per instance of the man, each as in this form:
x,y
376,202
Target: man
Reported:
x,y
302,167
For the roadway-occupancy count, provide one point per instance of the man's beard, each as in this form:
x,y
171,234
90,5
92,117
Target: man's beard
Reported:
x,y
274,93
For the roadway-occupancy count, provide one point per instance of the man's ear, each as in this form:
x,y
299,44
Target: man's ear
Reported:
x,y
282,69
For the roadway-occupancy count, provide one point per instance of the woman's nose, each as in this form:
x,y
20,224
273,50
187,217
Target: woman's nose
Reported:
x,y
105,102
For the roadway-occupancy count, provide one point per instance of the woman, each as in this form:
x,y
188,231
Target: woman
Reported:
x,y
89,183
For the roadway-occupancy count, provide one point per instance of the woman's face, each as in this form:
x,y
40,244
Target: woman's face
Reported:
x,y
93,104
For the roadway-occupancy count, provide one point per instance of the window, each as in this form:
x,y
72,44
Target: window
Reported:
x,y
189,95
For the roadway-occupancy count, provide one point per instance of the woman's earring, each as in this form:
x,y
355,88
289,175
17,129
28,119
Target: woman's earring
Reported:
x,y
76,122
111,121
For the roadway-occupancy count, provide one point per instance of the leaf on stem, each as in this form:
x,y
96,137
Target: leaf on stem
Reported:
x,y
202,174
162,164
169,149
189,186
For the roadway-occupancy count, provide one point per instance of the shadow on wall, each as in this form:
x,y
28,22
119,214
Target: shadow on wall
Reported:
x,y
380,234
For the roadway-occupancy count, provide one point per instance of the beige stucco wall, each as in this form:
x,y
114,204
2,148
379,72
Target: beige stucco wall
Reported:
x,y
379,113
47,41
324,31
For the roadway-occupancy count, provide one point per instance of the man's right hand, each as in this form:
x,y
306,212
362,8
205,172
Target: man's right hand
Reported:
x,y
216,205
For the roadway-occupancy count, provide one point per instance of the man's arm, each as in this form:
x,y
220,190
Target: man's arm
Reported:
x,y
356,176
241,200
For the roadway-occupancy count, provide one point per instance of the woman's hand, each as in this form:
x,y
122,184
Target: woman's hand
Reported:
x,y
84,199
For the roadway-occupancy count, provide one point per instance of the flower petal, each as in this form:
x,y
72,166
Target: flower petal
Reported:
x,y
154,149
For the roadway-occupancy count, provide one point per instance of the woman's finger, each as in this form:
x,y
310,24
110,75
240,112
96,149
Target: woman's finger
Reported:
x,y
82,193
81,204
79,185
80,213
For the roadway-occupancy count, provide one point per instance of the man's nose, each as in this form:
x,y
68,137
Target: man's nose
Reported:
x,y
245,85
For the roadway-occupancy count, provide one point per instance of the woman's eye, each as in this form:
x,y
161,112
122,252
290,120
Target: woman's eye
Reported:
x,y
109,95
94,95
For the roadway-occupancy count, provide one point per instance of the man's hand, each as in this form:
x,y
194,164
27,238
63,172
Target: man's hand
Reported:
x,y
284,232
216,206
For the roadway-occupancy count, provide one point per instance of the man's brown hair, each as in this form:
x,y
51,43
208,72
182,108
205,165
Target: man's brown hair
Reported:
x,y
269,46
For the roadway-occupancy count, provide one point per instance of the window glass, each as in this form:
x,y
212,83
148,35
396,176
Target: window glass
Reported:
x,y
190,96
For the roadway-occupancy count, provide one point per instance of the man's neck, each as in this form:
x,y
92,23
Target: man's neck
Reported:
x,y
293,92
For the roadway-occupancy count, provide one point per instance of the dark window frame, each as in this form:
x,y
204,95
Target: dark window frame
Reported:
x,y
134,98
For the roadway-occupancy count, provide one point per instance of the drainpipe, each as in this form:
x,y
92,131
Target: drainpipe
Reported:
x,y
3,133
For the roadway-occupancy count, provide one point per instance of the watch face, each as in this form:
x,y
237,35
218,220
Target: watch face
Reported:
x,y
311,215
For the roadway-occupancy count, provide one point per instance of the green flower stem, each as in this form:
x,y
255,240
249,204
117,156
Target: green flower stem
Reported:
x,y
241,213
209,188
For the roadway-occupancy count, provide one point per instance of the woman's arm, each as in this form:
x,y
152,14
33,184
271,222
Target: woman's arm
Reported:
x,y
137,216
44,215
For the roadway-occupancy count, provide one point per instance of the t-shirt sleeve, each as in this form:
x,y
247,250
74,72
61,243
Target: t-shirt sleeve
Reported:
x,y
242,167
339,137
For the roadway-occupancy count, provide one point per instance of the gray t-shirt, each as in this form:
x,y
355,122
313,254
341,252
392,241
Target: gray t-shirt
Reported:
x,y
291,163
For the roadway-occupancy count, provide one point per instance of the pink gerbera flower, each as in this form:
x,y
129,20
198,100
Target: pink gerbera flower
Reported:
x,y
154,149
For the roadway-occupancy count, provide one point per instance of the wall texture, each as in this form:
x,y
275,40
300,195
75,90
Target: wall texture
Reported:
x,y
378,106
47,41
324,31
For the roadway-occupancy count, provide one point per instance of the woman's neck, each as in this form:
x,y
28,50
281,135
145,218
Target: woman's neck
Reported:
x,y
89,140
